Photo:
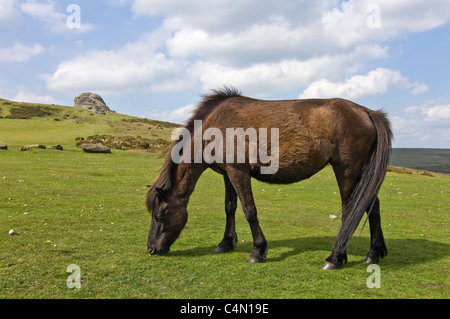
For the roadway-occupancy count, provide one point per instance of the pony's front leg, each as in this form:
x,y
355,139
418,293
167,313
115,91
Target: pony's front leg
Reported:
x,y
229,240
240,179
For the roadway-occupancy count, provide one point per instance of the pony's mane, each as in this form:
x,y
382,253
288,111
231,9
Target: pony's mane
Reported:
x,y
208,103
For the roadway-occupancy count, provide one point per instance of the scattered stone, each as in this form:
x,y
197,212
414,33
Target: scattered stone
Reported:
x,y
57,147
29,147
95,148
92,102
3,146
12,232
333,217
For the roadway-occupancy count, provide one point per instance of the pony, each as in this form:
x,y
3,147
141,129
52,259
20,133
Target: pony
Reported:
x,y
312,133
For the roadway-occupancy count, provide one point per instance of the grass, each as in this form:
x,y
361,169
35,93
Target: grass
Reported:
x,y
82,210
69,207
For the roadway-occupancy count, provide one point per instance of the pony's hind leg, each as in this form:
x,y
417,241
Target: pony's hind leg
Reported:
x,y
377,246
229,240
347,177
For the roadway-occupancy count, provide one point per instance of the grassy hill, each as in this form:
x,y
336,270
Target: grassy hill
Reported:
x,y
70,207
30,123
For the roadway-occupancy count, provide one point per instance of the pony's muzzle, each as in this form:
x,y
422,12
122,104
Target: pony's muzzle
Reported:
x,y
153,251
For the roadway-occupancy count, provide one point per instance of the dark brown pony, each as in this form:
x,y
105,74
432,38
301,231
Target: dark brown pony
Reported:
x,y
355,140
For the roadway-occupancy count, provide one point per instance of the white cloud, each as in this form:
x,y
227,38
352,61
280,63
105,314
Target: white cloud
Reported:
x,y
20,53
237,32
431,112
259,46
267,78
179,115
9,15
23,95
355,21
439,112
135,66
423,126
378,81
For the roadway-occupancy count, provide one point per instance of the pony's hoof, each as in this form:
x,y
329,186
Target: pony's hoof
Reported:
x,y
220,250
328,266
369,260
254,260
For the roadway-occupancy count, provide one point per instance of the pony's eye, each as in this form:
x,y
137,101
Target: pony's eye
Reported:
x,y
160,217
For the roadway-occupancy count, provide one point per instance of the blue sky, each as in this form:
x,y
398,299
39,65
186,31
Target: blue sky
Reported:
x,y
155,58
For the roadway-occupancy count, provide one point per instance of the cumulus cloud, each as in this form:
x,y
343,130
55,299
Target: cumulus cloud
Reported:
x,y
135,66
179,115
419,126
20,52
232,31
357,21
378,81
267,78
23,95
259,46
9,15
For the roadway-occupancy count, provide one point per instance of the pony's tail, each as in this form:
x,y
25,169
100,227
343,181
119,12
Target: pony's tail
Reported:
x,y
366,191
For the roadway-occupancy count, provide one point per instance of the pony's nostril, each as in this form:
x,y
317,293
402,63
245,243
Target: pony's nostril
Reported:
x,y
151,250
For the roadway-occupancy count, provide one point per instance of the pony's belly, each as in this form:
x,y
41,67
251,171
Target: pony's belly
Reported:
x,y
288,175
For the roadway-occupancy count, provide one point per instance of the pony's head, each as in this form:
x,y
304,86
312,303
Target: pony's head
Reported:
x,y
169,216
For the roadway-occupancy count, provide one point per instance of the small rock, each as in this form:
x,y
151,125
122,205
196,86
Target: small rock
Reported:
x,y
12,232
3,146
57,147
95,148
333,217
29,147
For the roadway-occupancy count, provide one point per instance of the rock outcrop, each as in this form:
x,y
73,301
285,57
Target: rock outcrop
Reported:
x,y
92,102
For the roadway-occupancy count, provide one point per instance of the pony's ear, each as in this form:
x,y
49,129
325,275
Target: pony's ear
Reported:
x,y
161,194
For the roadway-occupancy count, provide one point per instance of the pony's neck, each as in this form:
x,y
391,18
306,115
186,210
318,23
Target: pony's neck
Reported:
x,y
186,178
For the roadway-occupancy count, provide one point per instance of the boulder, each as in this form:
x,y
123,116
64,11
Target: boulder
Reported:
x,y
95,148
29,147
57,147
3,146
92,102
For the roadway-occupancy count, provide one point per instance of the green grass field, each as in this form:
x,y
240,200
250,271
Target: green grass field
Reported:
x,y
70,207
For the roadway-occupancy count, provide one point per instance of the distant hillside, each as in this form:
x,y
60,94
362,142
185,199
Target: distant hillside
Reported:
x,y
32,123
434,160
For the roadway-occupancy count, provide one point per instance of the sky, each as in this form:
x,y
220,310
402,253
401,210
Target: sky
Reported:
x,y
155,58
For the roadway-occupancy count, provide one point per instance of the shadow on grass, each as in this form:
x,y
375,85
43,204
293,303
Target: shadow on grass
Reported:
x,y
402,252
